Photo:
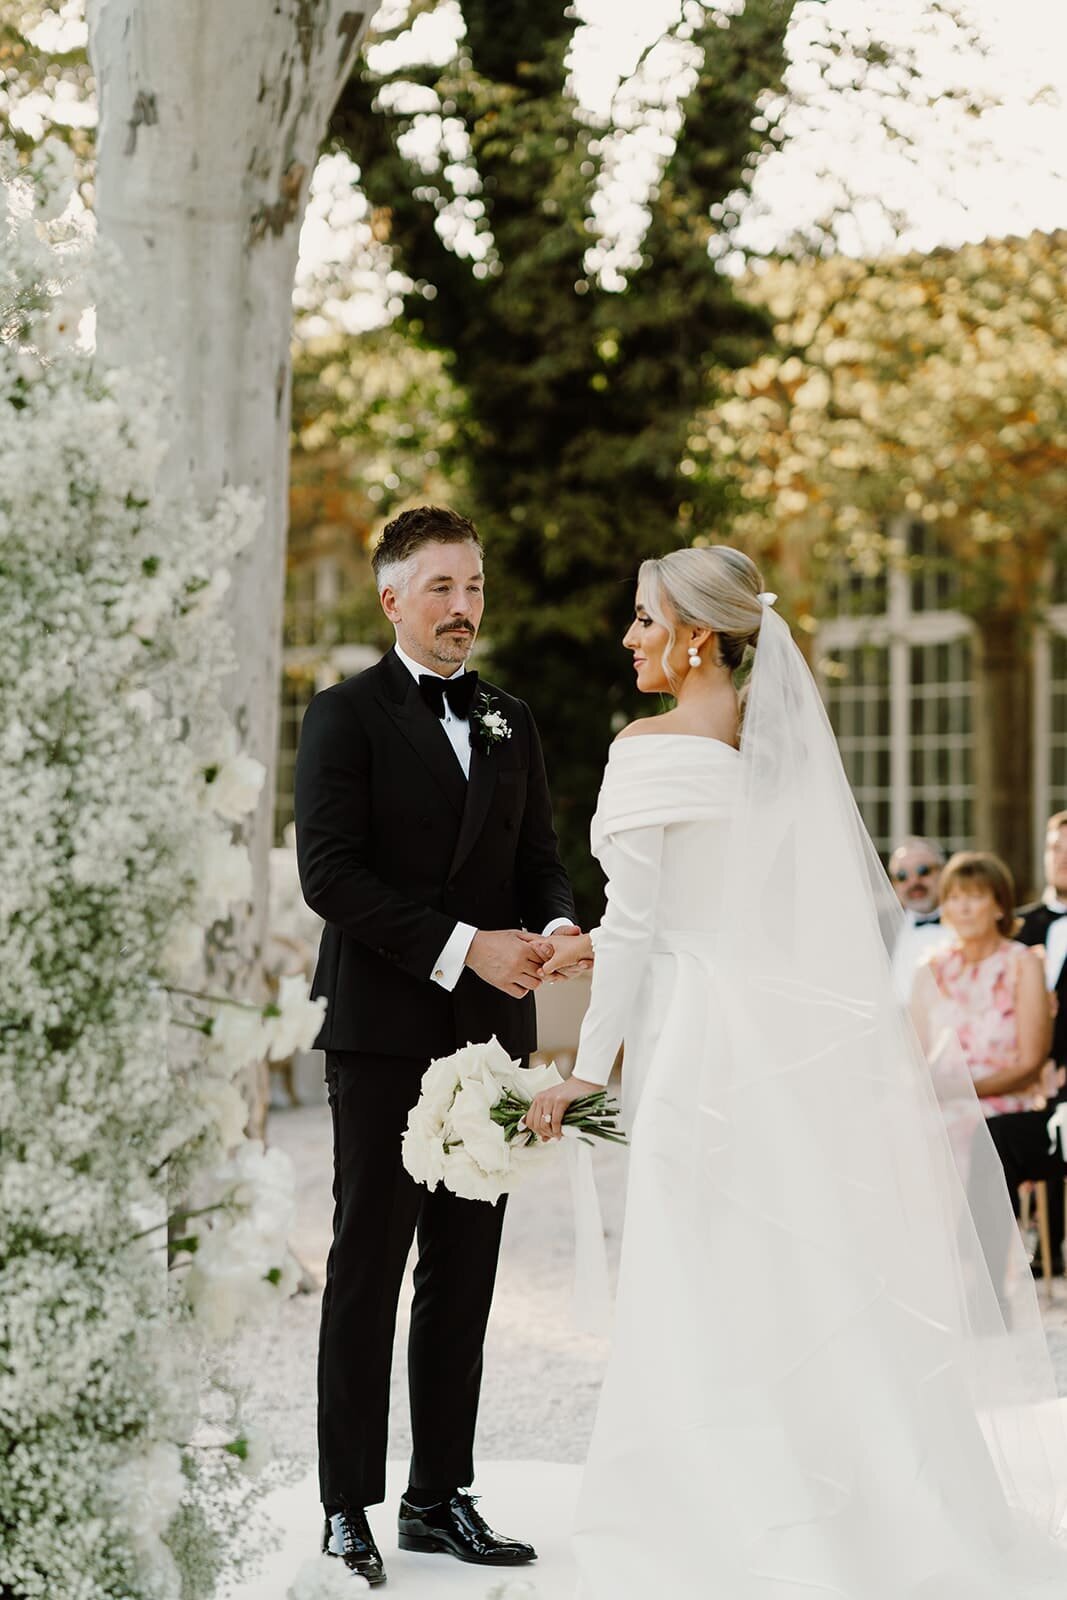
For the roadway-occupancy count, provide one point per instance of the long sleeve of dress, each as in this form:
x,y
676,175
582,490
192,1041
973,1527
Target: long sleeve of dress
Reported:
x,y
621,944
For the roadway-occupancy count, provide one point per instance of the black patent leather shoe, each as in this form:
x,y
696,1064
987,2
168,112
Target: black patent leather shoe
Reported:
x,y
456,1527
348,1537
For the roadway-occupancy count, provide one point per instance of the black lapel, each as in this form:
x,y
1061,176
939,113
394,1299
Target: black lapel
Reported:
x,y
481,786
422,730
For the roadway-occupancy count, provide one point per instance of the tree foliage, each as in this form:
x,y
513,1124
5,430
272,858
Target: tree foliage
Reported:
x,y
579,398
929,385
371,423
45,80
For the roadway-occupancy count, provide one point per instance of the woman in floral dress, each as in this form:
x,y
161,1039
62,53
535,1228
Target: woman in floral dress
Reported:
x,y
991,994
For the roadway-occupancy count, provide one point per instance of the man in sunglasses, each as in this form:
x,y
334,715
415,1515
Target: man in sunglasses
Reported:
x,y
915,872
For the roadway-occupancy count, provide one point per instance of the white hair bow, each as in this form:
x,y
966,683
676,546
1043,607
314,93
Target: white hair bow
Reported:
x,y
766,598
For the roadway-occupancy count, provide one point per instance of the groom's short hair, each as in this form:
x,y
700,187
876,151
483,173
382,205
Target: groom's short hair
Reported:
x,y
407,533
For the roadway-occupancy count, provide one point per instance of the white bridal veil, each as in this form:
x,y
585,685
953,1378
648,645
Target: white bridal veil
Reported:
x,y
874,1203
828,1379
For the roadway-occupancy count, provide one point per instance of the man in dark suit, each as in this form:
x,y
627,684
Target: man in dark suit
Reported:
x,y
425,842
1023,1141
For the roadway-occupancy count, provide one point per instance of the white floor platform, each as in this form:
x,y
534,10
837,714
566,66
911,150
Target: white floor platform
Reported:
x,y
531,1500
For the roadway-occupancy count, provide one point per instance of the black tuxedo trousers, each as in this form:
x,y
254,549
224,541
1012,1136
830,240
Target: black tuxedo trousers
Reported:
x,y
1021,1137
378,1211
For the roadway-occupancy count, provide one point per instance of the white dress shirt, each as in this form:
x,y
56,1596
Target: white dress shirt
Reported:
x,y
450,963
1055,940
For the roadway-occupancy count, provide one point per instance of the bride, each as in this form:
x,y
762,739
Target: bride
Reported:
x,y
815,1388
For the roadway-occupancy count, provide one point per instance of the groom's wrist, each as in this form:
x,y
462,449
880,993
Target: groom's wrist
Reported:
x,y
449,965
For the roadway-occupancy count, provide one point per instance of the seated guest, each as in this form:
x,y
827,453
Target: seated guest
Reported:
x,y
915,872
1044,924
992,994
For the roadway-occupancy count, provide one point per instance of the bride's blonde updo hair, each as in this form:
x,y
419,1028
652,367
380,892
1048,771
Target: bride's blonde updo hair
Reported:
x,y
717,587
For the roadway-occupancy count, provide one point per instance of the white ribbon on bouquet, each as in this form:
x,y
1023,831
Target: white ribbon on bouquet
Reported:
x,y
591,1296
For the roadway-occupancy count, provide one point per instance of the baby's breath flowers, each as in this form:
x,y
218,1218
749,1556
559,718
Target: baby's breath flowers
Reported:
x,y
136,1223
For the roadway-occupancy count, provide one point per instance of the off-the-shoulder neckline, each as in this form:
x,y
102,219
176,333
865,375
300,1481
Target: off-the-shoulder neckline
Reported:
x,y
690,738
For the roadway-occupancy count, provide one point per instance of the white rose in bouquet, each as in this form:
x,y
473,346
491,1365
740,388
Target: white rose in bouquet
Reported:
x,y
528,1081
483,1139
467,1130
425,1139
465,1178
439,1084
424,1154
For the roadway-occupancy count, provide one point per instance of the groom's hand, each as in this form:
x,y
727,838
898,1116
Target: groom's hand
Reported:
x,y
510,959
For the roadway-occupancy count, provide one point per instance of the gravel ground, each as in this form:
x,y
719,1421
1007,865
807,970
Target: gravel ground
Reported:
x,y
541,1374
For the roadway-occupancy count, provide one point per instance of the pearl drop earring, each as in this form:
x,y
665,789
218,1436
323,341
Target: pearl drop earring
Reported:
x,y
694,658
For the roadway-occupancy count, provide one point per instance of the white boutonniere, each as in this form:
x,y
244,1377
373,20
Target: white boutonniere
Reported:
x,y
491,725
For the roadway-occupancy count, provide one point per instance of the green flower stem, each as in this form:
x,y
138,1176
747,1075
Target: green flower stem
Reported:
x,y
212,999
201,1211
593,1115
183,1022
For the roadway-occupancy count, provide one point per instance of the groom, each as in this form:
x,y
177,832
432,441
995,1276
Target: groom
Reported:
x,y
425,842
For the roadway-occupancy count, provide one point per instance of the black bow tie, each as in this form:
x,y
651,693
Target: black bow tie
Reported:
x,y
932,919
458,691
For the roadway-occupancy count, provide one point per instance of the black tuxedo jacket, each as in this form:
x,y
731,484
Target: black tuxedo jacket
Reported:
x,y
1036,920
395,846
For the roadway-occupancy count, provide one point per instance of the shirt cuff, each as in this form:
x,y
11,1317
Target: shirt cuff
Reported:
x,y
449,964
557,922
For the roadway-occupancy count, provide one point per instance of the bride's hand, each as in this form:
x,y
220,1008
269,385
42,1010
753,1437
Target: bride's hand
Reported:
x,y
545,1116
571,953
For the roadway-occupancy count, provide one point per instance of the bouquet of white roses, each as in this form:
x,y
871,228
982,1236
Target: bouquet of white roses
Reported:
x,y
467,1130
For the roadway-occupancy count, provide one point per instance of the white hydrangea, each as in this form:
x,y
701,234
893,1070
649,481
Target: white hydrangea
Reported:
x,y
241,1257
233,788
225,875
298,1020
254,1448
224,1109
239,1034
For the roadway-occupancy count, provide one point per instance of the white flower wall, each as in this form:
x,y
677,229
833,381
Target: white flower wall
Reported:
x,y
135,1221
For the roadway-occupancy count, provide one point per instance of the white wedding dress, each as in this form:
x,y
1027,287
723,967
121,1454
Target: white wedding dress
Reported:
x,y
811,1391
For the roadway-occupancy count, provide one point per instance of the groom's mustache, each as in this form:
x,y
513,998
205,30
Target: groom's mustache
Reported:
x,y
456,627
